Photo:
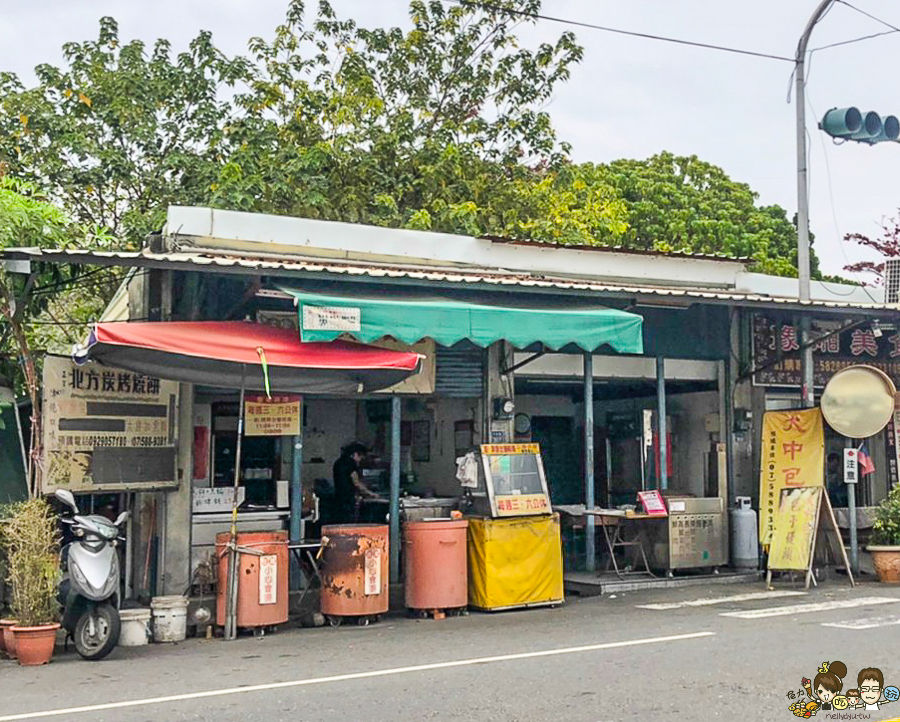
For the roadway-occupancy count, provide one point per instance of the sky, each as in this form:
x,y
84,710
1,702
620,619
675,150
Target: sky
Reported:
x,y
629,97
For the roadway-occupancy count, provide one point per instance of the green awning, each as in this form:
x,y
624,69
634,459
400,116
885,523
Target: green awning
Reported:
x,y
448,321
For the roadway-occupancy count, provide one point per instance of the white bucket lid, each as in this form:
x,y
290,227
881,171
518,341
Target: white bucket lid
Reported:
x,y
139,614
168,602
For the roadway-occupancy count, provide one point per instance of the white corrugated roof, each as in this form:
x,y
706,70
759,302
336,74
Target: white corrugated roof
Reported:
x,y
463,277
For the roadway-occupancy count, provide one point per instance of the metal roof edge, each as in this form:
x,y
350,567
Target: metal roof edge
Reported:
x,y
447,277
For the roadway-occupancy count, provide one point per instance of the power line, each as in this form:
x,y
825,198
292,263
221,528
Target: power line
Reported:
x,y
854,40
482,5
870,16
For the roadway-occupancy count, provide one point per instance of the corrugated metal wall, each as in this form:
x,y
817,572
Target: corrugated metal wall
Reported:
x,y
459,372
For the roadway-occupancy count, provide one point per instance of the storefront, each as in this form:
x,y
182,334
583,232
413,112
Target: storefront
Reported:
x,y
596,355
843,342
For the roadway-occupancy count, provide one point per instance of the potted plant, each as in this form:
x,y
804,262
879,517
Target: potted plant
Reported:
x,y
885,541
7,640
32,545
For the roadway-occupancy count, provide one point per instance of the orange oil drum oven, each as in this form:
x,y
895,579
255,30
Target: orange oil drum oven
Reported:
x,y
354,572
435,566
262,599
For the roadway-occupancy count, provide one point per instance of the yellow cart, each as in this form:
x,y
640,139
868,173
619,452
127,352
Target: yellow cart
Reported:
x,y
515,562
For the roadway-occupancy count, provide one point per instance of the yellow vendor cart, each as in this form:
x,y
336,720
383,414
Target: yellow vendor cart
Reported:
x,y
514,548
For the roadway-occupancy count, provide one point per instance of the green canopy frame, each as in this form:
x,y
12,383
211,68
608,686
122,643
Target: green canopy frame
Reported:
x,y
448,321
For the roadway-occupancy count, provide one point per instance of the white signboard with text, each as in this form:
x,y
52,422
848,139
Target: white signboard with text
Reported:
x,y
107,429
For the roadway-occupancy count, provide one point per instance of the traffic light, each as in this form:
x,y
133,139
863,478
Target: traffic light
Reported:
x,y
851,124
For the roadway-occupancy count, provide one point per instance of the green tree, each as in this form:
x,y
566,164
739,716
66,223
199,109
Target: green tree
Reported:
x,y
683,203
31,306
418,129
441,127
118,134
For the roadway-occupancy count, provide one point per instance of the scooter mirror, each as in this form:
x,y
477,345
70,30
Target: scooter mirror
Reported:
x,y
122,517
67,498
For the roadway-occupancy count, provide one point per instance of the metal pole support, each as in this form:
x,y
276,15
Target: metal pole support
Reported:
x,y
803,269
296,501
395,490
589,501
663,477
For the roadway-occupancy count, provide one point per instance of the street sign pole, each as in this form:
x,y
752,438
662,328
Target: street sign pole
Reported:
x,y
851,476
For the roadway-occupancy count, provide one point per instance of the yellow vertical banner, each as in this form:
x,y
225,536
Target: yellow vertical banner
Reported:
x,y
793,455
795,528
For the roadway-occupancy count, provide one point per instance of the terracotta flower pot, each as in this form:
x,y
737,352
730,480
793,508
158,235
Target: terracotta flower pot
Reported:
x,y
34,645
887,563
9,641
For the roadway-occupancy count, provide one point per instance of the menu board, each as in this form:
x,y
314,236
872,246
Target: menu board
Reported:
x,y
653,503
107,429
516,484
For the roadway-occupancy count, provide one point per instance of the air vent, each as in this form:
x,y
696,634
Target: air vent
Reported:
x,y
892,280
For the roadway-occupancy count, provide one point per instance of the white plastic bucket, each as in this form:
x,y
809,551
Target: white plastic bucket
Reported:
x,y
135,627
169,618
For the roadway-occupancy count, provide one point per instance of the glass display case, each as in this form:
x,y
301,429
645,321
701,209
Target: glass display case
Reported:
x,y
511,481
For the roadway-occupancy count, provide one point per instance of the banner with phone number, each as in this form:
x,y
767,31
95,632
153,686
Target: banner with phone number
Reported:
x,y
793,455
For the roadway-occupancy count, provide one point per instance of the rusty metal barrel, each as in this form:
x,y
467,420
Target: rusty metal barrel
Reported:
x,y
262,598
354,571
435,564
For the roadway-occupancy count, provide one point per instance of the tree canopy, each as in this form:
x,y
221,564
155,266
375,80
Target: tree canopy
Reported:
x,y
442,126
60,300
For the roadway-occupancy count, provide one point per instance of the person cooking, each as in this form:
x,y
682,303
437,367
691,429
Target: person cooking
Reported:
x,y
348,485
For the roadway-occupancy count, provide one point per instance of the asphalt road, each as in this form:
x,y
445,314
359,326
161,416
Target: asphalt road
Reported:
x,y
695,654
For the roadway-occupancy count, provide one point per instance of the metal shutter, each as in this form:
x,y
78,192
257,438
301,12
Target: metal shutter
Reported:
x,y
459,373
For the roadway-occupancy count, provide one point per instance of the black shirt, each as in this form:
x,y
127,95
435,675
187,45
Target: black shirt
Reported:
x,y
344,488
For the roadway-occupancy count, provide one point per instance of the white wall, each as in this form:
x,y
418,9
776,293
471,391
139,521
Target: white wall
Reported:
x,y
330,424
438,475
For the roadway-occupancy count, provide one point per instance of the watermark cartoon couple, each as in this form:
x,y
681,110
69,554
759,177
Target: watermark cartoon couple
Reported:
x,y
824,692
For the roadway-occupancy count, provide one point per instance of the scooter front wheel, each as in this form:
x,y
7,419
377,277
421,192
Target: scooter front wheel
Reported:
x,y
97,631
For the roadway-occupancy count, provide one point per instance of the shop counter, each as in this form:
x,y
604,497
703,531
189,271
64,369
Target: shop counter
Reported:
x,y
693,536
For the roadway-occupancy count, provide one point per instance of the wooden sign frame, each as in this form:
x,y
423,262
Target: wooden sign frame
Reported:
x,y
833,537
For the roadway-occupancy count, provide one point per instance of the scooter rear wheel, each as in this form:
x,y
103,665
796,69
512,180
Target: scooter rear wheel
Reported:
x,y
95,641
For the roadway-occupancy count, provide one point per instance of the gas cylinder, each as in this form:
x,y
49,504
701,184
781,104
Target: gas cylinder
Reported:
x,y
744,535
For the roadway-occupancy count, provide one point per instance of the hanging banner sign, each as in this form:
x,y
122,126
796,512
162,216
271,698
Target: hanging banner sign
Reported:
x,y
795,528
278,416
793,455
776,350
107,429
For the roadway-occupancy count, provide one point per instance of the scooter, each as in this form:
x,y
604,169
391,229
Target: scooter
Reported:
x,y
89,591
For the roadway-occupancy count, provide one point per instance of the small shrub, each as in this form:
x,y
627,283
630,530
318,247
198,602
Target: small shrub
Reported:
x,y
31,540
886,529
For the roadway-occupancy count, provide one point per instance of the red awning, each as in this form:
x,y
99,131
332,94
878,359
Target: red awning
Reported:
x,y
229,353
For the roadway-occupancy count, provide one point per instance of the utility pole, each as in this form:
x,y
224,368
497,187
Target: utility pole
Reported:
x,y
807,388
